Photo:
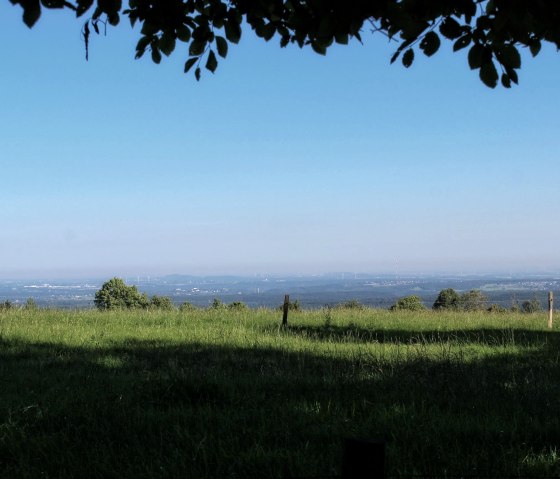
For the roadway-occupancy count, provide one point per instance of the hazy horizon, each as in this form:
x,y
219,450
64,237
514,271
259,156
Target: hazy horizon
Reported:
x,y
282,162
145,275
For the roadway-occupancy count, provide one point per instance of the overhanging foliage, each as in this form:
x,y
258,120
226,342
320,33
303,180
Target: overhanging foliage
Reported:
x,y
492,30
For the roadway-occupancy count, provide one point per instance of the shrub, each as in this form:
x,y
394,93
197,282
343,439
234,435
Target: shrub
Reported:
x,y
161,302
473,300
409,303
30,304
237,306
115,294
187,306
6,305
531,306
217,304
495,308
292,306
351,304
448,299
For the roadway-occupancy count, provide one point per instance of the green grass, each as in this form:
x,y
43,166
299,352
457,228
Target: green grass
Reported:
x,y
231,394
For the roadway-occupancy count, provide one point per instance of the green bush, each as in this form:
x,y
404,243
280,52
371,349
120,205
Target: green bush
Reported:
x,y
448,299
6,305
351,304
217,304
409,303
187,306
115,294
531,306
292,306
495,308
473,300
161,302
237,306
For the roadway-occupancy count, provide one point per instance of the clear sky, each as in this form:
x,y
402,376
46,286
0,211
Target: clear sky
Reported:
x,y
282,162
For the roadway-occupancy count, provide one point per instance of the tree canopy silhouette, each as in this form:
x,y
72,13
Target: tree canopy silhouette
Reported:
x,y
493,31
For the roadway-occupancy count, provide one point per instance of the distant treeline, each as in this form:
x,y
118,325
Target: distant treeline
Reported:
x,y
116,294
473,300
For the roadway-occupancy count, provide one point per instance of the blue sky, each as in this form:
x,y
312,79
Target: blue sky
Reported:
x,y
282,162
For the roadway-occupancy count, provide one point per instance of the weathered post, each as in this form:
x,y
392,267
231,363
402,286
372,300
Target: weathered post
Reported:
x,y
285,309
363,459
550,308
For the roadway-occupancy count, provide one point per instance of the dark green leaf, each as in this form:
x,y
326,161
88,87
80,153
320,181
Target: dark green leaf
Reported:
x,y
167,43
197,73
512,74
221,46
319,48
483,22
476,56
83,6
113,18
211,63
395,56
506,82
408,57
142,45
341,38
233,32
148,28
190,63
259,29
31,12
450,28
463,42
535,47
326,26
430,43
183,33
269,31
197,48
489,74
156,55
508,56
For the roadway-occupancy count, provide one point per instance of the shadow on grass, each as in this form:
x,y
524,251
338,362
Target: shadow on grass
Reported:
x,y
147,409
482,336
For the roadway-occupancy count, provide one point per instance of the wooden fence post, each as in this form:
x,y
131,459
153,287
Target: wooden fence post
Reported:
x,y
363,459
285,309
550,308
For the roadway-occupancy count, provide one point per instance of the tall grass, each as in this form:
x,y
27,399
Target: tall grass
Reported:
x,y
219,393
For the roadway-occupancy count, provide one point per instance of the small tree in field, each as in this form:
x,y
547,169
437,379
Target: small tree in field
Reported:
x,y
161,302
531,306
473,300
408,303
448,299
116,294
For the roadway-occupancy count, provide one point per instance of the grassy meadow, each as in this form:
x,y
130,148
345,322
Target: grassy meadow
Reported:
x,y
226,394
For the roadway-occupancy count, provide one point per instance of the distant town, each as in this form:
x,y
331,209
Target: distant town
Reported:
x,y
268,291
